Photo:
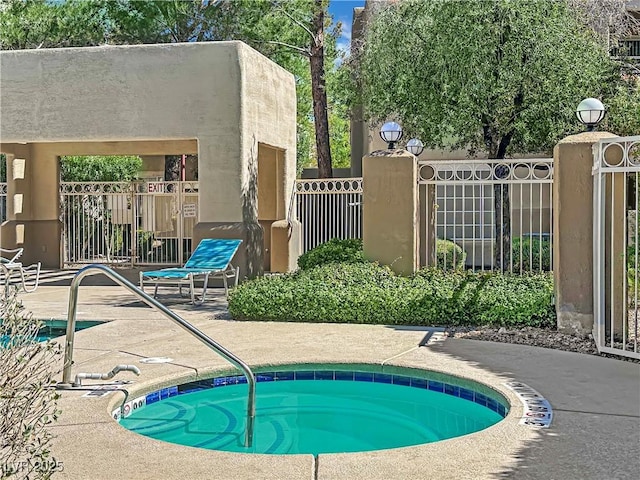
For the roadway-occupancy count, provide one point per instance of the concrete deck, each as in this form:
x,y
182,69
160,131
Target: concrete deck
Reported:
x,y
595,432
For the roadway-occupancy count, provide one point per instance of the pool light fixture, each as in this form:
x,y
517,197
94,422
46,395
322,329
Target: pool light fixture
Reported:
x,y
590,112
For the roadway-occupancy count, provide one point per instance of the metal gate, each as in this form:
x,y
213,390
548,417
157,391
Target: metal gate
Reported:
x,y
327,209
127,223
616,292
487,214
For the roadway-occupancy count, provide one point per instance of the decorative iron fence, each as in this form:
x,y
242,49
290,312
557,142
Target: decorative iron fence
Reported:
x,y
127,223
616,288
488,214
328,208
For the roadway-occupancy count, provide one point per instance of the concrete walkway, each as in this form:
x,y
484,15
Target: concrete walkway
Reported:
x,y
595,433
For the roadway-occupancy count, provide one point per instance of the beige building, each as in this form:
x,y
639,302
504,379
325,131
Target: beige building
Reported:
x,y
223,101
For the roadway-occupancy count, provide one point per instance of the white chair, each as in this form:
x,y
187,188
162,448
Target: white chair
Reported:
x,y
27,276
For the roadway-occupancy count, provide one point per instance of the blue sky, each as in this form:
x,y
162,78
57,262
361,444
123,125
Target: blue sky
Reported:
x,y
342,11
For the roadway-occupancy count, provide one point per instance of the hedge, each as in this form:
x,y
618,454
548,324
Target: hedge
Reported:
x,y
370,293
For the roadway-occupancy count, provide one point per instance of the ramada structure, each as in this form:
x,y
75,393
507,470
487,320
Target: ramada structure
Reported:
x,y
224,101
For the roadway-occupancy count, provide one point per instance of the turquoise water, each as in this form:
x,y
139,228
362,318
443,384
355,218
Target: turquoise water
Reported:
x,y
311,416
55,328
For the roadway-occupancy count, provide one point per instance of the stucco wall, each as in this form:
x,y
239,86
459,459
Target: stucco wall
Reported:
x,y
224,95
146,92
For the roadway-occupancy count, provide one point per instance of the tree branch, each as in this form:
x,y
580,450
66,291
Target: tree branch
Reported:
x,y
296,21
300,50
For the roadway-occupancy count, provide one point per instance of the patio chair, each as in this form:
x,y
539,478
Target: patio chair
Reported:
x,y
28,276
212,258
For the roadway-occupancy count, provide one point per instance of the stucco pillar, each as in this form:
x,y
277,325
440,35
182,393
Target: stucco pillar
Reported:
x,y
573,231
286,244
390,210
33,205
228,206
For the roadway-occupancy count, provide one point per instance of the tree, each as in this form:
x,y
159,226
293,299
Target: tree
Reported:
x,y
99,168
49,24
623,108
292,33
497,77
299,27
28,404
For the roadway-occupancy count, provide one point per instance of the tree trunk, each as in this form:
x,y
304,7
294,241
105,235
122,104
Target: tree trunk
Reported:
x,y
172,168
501,204
319,94
502,211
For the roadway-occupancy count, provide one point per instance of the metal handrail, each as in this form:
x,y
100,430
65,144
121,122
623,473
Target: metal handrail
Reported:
x,y
223,352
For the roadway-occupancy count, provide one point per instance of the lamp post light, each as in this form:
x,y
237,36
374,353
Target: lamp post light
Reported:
x,y
391,133
415,146
590,112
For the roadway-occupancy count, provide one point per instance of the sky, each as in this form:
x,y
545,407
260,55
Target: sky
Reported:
x,y
342,11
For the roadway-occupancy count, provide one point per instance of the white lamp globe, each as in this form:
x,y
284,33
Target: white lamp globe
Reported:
x,y
391,132
415,146
590,112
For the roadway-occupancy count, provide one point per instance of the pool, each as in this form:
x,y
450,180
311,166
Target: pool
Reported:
x,y
54,328
326,409
57,328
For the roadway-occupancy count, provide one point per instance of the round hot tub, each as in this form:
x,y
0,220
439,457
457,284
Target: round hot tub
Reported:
x,y
318,409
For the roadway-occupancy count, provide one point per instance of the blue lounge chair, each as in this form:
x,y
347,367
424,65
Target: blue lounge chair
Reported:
x,y
212,258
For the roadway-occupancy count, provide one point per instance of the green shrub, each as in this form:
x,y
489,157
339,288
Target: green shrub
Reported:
x,y
450,256
335,250
536,253
370,293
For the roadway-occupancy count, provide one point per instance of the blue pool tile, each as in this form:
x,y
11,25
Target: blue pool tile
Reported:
x,y
419,382
492,404
466,394
152,397
344,376
305,375
481,399
363,377
401,380
451,390
284,376
222,381
501,410
436,386
265,377
194,386
324,374
173,391
382,378
242,379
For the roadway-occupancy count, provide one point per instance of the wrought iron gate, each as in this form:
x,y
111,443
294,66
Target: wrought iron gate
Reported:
x,y
127,223
616,292
487,214
328,208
